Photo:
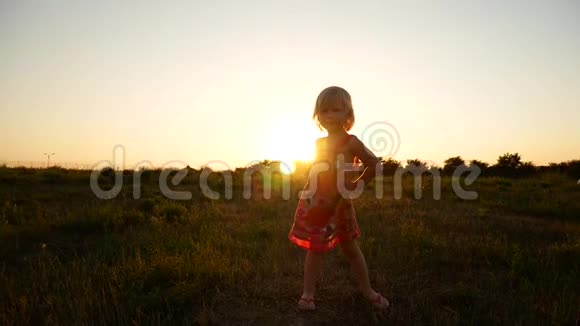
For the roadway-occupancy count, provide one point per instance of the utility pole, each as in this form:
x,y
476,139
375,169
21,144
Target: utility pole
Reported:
x,y
48,159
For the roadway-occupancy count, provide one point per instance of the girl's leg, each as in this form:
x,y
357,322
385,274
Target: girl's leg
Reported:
x,y
358,266
312,265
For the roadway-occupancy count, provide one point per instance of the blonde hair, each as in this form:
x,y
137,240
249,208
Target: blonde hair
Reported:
x,y
343,96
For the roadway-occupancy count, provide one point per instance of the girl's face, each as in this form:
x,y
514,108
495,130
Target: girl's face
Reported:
x,y
332,114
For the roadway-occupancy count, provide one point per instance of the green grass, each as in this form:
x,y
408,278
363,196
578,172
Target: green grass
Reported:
x,y
510,257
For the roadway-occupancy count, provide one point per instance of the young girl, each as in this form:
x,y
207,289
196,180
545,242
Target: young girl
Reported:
x,y
324,218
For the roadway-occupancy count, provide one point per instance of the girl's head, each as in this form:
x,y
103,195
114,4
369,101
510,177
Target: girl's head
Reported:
x,y
333,110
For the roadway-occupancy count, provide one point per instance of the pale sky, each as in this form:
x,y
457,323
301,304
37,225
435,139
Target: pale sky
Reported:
x,y
236,81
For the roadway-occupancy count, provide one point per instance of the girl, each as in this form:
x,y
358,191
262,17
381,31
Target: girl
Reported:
x,y
324,218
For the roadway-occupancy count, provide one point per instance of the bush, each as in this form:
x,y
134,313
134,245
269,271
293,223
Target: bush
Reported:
x,y
173,213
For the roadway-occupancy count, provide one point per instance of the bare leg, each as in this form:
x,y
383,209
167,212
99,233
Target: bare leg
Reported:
x,y
358,266
360,272
312,265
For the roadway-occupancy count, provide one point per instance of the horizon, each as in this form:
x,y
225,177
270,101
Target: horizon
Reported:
x,y
237,82
182,165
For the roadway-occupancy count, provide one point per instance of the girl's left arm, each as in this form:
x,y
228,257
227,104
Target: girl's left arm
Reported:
x,y
369,160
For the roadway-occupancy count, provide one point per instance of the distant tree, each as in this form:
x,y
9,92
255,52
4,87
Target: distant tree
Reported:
x,y
508,160
452,163
554,167
390,165
435,168
205,168
483,166
526,169
416,164
574,168
507,165
266,162
570,168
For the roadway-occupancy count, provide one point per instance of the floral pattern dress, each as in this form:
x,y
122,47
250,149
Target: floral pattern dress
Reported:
x,y
323,219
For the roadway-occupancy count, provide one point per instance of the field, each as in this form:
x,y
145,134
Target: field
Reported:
x,y
66,257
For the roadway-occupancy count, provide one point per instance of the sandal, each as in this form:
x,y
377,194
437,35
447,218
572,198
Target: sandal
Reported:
x,y
306,303
380,302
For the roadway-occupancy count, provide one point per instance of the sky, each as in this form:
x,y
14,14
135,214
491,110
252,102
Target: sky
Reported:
x,y
233,82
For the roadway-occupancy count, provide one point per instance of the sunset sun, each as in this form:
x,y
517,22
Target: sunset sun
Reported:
x,y
289,144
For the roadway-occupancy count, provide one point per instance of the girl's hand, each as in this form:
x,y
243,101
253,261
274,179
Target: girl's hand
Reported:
x,y
350,186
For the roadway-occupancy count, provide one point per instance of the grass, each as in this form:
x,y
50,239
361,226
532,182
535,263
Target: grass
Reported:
x,y
510,257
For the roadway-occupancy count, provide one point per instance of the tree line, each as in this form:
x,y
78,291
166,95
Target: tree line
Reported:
x,y
508,165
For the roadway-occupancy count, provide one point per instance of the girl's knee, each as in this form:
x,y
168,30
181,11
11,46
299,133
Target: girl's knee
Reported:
x,y
350,249
314,255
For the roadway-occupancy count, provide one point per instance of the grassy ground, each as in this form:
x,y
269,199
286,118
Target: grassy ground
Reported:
x,y
510,257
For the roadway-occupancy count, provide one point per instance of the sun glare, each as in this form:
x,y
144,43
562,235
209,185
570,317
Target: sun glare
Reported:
x,y
287,144
287,169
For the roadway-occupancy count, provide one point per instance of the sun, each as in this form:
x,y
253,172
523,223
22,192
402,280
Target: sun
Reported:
x,y
288,144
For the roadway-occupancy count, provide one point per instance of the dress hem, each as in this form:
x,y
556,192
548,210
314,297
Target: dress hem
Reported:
x,y
307,245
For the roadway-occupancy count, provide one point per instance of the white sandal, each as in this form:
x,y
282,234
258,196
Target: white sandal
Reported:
x,y
380,302
306,303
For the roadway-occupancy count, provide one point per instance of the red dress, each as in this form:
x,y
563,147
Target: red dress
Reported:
x,y
325,219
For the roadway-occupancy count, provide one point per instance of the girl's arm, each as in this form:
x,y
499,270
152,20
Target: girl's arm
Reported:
x,y
370,161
